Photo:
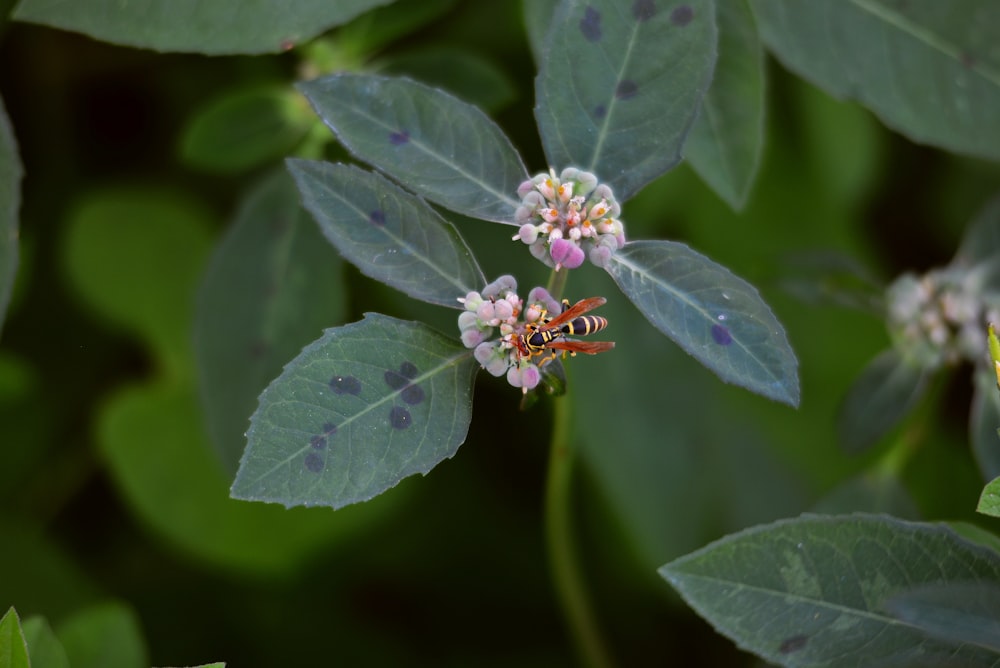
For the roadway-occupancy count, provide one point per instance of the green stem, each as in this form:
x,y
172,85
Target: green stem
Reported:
x,y
566,571
557,283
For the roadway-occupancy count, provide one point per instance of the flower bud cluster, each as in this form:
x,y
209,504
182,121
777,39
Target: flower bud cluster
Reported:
x,y
938,318
498,307
569,218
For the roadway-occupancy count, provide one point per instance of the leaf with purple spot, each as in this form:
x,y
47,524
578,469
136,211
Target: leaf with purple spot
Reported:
x,y
358,410
620,83
716,317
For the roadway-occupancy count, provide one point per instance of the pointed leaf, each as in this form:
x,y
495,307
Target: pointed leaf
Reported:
x,y
387,233
13,648
928,69
989,500
958,612
433,143
10,201
620,84
263,26
884,393
716,317
812,591
984,423
44,647
356,412
273,283
726,142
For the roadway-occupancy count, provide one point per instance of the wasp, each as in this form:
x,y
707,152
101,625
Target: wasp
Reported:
x,y
547,337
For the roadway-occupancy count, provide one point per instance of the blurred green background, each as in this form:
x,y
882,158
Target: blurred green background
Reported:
x,y
110,490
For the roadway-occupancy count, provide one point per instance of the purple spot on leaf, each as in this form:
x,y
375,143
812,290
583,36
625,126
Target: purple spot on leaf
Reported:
x,y
377,218
395,380
626,90
590,24
681,16
400,418
793,644
258,349
721,335
314,462
329,428
318,442
345,385
408,369
643,10
599,111
967,59
399,138
412,394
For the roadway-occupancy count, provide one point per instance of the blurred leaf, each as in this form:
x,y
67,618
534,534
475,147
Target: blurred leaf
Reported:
x,y
10,202
26,422
958,613
885,392
436,145
811,591
387,233
47,579
13,648
618,89
989,501
356,412
537,19
984,421
107,635
43,645
245,128
716,317
135,257
273,283
195,26
829,278
726,142
462,72
874,491
377,28
927,68
981,245
159,458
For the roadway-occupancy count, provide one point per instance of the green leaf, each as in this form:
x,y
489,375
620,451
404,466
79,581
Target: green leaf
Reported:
x,y
620,85
716,317
152,442
958,613
387,233
13,648
245,128
989,500
537,19
436,145
43,645
134,256
981,245
10,202
928,69
884,393
984,422
726,142
462,72
356,412
377,28
873,491
104,636
813,591
272,284
195,26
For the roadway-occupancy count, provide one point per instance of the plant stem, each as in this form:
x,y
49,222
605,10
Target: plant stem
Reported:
x,y
557,283
566,572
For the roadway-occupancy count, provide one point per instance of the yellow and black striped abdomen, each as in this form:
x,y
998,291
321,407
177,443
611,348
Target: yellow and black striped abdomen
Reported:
x,y
584,325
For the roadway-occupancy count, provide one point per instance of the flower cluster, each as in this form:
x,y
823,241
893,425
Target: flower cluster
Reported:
x,y
567,218
938,318
499,307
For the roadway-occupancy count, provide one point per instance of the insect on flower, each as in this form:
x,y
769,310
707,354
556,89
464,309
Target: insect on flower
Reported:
x,y
548,337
